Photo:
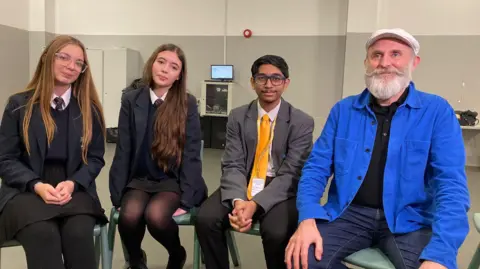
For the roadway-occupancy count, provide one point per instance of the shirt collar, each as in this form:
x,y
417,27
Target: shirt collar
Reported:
x,y
154,97
65,96
413,98
397,103
272,114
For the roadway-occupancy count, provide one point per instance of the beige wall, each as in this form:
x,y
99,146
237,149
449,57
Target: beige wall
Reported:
x,y
15,13
202,18
14,52
14,63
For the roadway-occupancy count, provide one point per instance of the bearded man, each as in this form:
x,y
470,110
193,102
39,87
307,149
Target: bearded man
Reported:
x,y
398,163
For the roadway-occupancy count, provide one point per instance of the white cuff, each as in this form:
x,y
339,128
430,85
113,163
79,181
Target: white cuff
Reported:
x,y
236,199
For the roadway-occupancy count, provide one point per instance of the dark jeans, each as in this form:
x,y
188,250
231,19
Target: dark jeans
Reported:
x,y
362,227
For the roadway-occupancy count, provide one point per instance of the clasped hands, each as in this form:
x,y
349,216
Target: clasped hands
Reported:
x,y
60,195
241,216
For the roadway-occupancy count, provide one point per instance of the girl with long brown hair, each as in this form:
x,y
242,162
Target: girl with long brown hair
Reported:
x,y
157,172
51,150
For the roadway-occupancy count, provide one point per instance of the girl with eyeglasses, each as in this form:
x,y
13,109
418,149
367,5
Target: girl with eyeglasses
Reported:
x,y
51,151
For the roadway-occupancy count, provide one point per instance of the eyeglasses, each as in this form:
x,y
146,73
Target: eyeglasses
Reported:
x,y
66,59
276,80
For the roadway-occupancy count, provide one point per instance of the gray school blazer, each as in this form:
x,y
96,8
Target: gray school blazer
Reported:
x,y
291,146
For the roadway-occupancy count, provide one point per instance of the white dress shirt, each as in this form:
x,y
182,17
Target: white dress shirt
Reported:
x,y
154,97
65,96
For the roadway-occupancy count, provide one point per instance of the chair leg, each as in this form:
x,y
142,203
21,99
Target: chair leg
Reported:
x,y
97,251
105,250
197,255
232,246
475,263
112,229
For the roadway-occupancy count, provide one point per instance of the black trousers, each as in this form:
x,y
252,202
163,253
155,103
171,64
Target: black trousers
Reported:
x,y
60,243
276,228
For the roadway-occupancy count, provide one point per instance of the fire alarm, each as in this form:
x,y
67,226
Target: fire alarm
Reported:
x,y
247,33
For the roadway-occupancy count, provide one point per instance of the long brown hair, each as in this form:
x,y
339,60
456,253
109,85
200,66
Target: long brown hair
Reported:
x,y
169,126
43,83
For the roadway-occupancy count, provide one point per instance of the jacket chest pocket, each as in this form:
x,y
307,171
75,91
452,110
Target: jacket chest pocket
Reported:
x,y
343,155
414,156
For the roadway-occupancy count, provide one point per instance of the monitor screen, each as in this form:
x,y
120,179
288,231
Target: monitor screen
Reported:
x,y
222,72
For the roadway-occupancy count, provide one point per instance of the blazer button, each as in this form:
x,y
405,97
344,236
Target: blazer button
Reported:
x,y
359,177
373,122
367,150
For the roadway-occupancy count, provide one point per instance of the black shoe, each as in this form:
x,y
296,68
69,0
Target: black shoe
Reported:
x,y
142,264
177,261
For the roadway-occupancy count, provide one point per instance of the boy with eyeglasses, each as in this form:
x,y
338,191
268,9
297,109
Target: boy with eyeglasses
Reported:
x,y
267,143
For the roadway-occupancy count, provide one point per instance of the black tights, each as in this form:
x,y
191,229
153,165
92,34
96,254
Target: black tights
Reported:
x,y
46,241
155,211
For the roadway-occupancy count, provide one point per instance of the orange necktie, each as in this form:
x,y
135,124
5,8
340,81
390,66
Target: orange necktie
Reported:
x,y
260,164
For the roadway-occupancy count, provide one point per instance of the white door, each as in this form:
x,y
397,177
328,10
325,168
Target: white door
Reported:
x,y
95,61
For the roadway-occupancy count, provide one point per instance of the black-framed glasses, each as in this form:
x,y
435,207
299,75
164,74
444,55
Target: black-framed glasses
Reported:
x,y
66,59
276,80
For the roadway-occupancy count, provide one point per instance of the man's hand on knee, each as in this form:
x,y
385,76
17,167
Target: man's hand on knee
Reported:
x,y
299,244
431,265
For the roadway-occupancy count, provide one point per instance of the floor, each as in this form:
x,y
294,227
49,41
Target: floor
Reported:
x,y
250,247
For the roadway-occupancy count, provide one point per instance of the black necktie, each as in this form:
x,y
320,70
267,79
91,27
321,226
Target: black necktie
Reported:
x,y
59,103
158,102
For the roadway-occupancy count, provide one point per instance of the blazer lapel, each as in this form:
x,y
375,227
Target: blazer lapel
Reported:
x,y
75,132
37,135
251,134
141,116
280,134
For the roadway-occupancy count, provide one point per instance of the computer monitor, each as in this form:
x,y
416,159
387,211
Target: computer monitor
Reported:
x,y
222,72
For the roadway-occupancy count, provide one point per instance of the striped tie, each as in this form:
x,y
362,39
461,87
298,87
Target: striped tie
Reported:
x,y
59,103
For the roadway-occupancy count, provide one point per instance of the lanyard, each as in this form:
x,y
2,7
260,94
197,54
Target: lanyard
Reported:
x,y
270,139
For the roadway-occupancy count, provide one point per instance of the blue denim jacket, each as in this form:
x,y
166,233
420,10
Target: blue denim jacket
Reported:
x,y
424,183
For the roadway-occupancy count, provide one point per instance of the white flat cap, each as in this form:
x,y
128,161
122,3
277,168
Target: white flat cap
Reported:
x,y
395,33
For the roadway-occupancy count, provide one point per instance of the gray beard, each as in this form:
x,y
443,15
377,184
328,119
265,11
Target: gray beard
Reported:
x,y
384,89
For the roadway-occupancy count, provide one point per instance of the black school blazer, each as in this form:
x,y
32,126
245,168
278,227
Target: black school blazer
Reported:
x,y
132,125
17,168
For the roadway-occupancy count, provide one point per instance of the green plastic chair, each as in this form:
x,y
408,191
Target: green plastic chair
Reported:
x,y
232,245
370,258
475,263
100,234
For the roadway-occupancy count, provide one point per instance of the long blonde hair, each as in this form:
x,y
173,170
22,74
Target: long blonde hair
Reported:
x,y
43,83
